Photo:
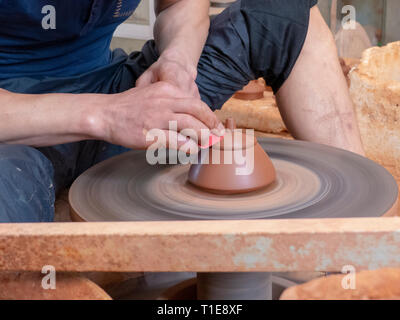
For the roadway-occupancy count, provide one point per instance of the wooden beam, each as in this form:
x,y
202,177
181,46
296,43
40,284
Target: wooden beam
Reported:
x,y
258,245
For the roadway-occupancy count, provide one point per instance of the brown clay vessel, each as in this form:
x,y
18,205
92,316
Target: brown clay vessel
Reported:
x,y
253,91
237,164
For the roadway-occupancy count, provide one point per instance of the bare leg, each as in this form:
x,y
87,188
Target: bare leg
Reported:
x,y
315,101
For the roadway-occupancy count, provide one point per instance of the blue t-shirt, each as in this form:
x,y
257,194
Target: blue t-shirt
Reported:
x,y
58,37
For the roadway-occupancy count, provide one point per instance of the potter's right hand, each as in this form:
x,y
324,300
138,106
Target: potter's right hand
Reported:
x,y
126,118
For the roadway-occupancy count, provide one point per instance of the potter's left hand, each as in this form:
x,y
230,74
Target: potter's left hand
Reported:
x,y
174,69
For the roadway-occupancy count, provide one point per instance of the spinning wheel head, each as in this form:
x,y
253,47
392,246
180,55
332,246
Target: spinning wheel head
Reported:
x,y
312,181
236,164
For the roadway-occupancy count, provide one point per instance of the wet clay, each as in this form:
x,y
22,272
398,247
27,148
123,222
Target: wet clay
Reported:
x,y
237,164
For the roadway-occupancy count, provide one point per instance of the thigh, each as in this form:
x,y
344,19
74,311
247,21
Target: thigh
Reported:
x,y
93,152
66,161
248,40
27,187
72,159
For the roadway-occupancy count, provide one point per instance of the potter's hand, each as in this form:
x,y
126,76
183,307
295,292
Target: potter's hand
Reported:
x,y
174,69
128,118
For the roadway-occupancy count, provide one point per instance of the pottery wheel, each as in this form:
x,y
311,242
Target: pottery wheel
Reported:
x,y
313,181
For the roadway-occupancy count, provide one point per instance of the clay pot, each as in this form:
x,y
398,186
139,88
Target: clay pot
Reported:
x,y
237,164
253,91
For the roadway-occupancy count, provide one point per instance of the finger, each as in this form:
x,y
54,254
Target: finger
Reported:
x,y
172,140
189,126
199,110
185,124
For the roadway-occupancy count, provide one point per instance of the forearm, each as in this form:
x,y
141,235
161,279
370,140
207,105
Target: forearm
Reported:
x,y
43,120
181,29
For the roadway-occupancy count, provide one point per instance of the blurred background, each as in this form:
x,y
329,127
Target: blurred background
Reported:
x,y
378,21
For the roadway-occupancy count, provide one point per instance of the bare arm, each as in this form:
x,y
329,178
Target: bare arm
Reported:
x,y
123,118
49,119
180,32
42,120
315,102
181,29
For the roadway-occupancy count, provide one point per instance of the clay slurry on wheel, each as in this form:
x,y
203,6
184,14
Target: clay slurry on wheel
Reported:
x,y
313,181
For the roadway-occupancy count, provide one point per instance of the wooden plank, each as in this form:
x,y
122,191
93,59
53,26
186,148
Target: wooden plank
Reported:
x,y
258,245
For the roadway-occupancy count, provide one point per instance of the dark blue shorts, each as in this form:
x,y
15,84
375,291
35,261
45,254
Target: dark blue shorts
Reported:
x,y
250,39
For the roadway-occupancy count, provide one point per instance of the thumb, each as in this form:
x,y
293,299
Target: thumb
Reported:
x,y
145,79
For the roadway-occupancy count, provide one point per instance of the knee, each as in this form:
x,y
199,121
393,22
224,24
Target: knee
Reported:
x,y
26,187
319,36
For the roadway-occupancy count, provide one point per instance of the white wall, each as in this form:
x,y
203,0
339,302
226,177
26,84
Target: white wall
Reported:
x,y
392,23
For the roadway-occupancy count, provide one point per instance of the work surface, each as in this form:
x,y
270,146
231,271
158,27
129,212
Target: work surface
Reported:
x,y
257,245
